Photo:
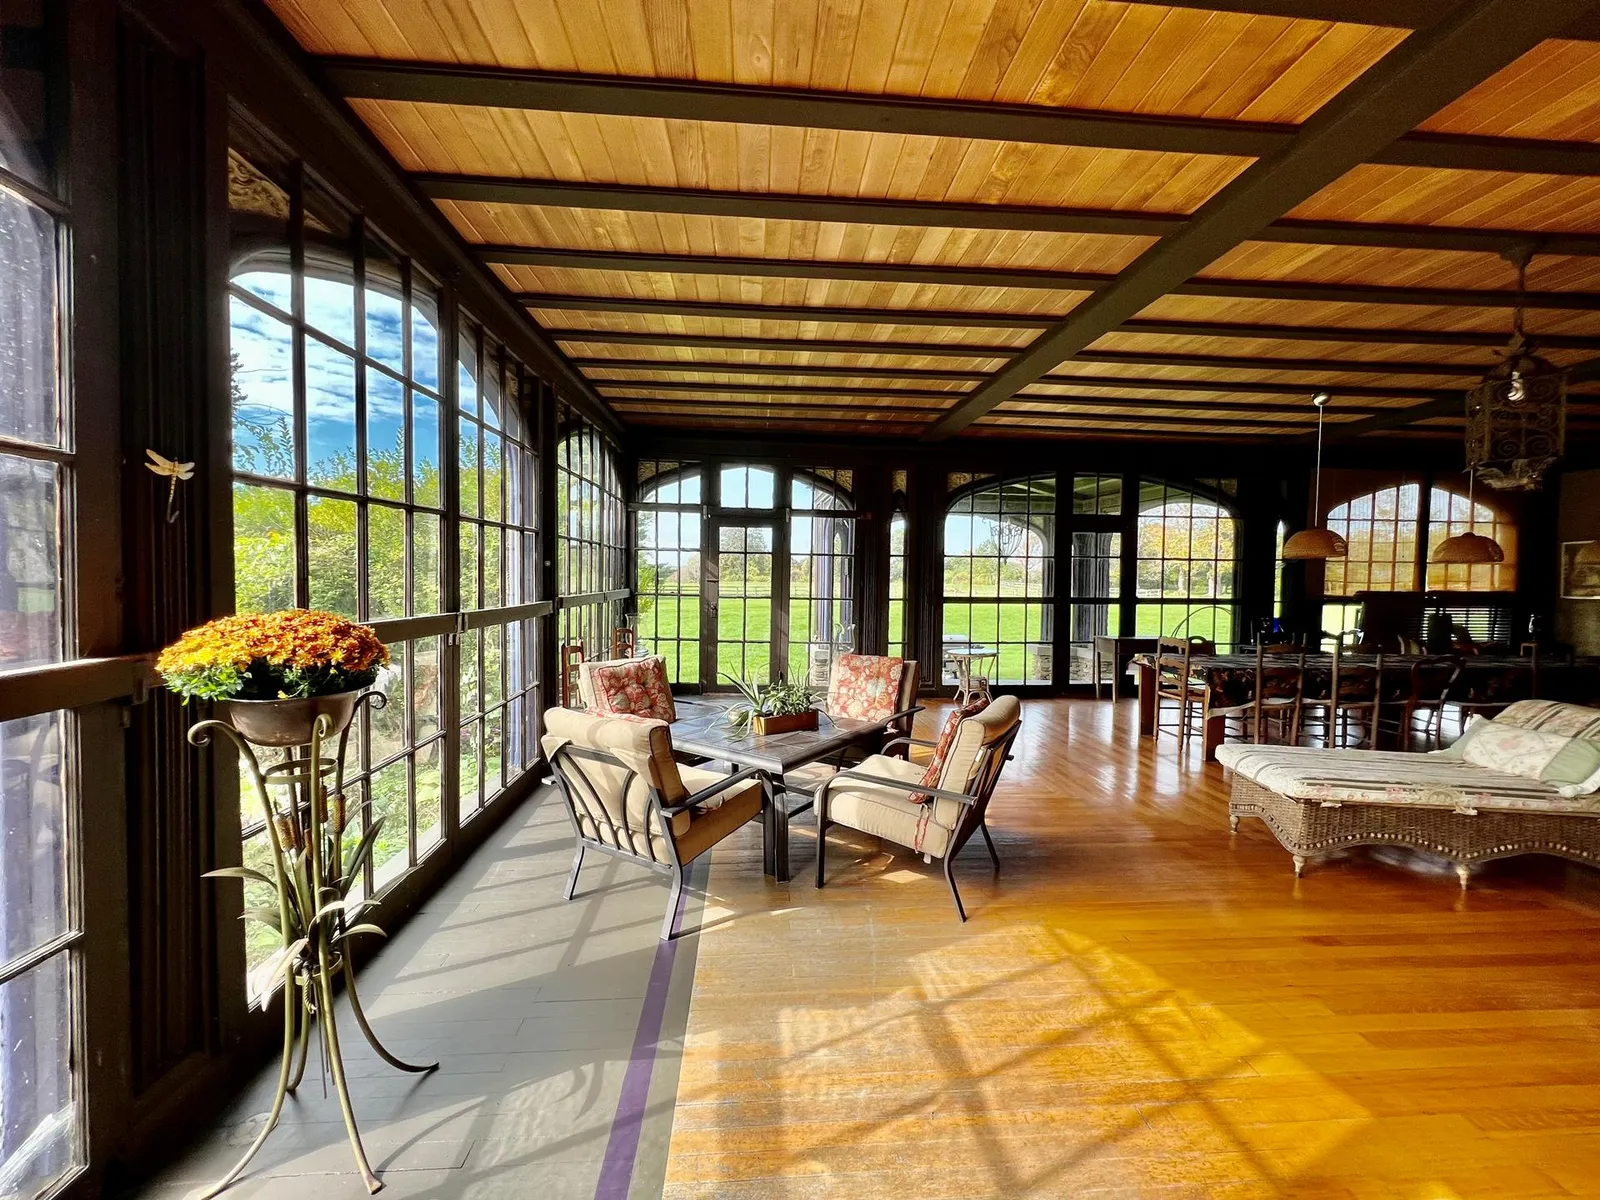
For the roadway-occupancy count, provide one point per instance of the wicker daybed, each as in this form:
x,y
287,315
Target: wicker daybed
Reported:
x,y
1316,800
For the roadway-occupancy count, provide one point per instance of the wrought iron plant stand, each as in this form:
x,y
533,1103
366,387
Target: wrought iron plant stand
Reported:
x,y
312,880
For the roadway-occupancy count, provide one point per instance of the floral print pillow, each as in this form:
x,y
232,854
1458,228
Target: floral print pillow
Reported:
x,y
865,686
637,687
1525,752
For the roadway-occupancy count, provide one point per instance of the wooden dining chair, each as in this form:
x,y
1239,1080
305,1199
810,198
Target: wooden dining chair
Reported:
x,y
1174,684
1429,682
1352,692
1274,695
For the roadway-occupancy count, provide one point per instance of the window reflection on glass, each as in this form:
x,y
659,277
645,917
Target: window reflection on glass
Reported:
x,y
897,586
331,561
667,570
263,548
1450,513
1186,558
821,579
29,409
330,417
999,585
261,381
386,327
331,301
41,1109
1096,575
386,436
33,823
1381,530
30,611
748,487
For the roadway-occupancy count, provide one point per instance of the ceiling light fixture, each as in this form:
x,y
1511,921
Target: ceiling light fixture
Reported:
x,y
1470,547
1316,542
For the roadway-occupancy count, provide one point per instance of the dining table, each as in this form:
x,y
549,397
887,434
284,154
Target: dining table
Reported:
x,y
1486,679
706,733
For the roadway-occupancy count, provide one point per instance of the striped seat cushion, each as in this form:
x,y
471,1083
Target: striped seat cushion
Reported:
x,y
1391,777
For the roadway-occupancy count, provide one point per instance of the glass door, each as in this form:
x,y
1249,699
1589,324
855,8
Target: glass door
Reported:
x,y
739,595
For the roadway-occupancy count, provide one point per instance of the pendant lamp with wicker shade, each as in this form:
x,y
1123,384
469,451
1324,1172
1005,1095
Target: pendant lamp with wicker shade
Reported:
x,y
1316,542
1471,547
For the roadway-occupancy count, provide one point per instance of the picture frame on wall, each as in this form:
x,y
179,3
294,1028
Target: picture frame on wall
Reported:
x,y
1579,580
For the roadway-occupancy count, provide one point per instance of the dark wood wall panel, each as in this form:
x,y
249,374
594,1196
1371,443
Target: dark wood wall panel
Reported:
x,y
171,936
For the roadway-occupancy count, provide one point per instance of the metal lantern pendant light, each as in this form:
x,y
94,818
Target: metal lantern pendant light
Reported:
x,y
1470,547
1517,415
1316,542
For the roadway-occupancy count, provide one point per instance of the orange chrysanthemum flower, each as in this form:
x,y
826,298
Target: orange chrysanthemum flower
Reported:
x,y
294,652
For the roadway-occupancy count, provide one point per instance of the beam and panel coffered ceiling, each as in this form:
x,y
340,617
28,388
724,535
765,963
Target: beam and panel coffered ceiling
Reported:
x,y
1059,218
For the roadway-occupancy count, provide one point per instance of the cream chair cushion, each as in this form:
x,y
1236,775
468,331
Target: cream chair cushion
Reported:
x,y
965,757
887,812
645,747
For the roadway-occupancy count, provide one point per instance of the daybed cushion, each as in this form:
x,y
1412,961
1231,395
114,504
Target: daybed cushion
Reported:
x,y
1394,777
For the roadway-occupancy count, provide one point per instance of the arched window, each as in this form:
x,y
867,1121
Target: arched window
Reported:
x,y
1185,565
1451,513
1380,529
667,566
1383,530
999,574
822,552
897,585
590,532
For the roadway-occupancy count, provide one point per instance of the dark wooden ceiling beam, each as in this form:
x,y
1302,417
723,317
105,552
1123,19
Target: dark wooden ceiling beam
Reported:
x,y
773,206
689,100
1197,329
922,274
1419,77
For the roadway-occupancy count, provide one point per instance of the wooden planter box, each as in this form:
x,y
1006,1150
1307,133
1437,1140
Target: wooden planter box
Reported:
x,y
805,720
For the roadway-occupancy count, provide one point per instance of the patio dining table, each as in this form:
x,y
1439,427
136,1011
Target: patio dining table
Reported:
x,y
1485,678
707,734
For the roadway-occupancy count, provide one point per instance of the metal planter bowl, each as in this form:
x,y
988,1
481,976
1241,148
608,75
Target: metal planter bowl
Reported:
x,y
288,722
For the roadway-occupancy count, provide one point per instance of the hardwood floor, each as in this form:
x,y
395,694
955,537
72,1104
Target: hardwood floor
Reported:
x,y
1139,1006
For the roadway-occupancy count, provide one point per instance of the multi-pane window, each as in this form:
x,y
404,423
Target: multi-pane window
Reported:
x,y
1450,513
1095,573
897,585
496,566
344,417
822,550
1381,531
40,1088
338,441
667,532
999,575
590,534
1185,561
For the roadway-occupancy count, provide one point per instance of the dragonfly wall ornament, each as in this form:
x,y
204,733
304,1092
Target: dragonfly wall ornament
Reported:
x,y
174,472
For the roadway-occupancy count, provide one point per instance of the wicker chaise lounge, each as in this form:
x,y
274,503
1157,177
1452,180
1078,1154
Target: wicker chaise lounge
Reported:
x,y
1316,800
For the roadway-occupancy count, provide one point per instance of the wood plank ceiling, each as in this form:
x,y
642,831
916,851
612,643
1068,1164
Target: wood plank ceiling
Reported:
x,y
1003,217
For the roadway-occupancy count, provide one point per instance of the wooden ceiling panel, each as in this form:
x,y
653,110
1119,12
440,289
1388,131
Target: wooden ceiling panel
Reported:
x,y
1464,199
723,156
1378,316
1544,94
595,354
1473,359
714,326
1401,268
671,233
751,340
1073,53
734,289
